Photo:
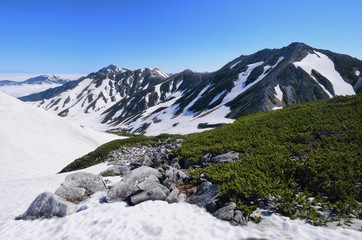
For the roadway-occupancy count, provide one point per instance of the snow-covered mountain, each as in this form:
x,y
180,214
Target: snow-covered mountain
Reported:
x,y
31,85
151,102
46,141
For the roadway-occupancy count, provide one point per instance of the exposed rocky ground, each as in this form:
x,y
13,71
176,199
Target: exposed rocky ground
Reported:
x,y
148,172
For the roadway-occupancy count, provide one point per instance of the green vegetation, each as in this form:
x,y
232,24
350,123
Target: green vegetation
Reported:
x,y
300,161
100,154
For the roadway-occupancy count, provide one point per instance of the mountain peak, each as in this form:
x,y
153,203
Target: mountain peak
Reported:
x,y
46,79
112,68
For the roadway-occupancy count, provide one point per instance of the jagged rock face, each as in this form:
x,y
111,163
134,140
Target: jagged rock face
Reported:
x,y
148,101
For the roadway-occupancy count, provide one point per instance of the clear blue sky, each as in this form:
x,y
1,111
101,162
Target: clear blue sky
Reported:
x,y
81,36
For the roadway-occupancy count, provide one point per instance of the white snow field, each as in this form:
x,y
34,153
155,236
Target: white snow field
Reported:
x,y
32,137
325,66
156,220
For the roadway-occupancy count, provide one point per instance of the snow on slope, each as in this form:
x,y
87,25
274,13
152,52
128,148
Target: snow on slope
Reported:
x,y
26,89
30,135
188,122
149,220
325,66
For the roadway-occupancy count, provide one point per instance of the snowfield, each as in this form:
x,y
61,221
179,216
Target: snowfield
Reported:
x,y
149,220
31,135
325,66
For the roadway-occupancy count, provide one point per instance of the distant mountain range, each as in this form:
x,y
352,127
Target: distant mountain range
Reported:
x,y
152,102
31,85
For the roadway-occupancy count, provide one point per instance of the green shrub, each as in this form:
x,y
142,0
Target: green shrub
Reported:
x,y
307,150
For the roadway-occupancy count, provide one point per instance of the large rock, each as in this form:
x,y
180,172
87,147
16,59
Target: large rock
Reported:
x,y
120,191
72,194
129,185
206,196
226,157
173,196
139,174
150,183
153,194
77,183
226,213
47,205
229,213
116,170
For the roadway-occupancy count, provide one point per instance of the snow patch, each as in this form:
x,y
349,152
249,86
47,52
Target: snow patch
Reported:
x,y
279,93
357,73
325,66
217,97
232,66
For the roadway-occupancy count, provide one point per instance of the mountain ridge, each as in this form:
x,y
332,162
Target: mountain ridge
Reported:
x,y
150,101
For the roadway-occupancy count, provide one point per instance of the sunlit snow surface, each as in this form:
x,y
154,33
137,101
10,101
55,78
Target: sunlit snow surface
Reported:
x,y
30,135
325,66
149,220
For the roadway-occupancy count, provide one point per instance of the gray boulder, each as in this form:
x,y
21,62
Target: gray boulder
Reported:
x,y
120,191
72,194
129,184
239,218
226,157
71,188
173,196
226,213
206,196
150,183
116,170
139,174
153,194
229,213
47,205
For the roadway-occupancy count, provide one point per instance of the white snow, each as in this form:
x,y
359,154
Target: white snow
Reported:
x,y
357,73
187,122
232,66
26,89
163,74
217,97
149,220
325,66
279,93
31,135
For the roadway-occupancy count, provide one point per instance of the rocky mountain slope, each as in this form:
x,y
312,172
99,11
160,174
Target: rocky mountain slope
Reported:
x,y
151,102
31,85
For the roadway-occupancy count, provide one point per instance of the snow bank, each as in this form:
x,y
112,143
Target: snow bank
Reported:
x,y
325,66
149,220
34,142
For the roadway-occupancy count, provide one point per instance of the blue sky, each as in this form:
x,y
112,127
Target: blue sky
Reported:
x,y
81,36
